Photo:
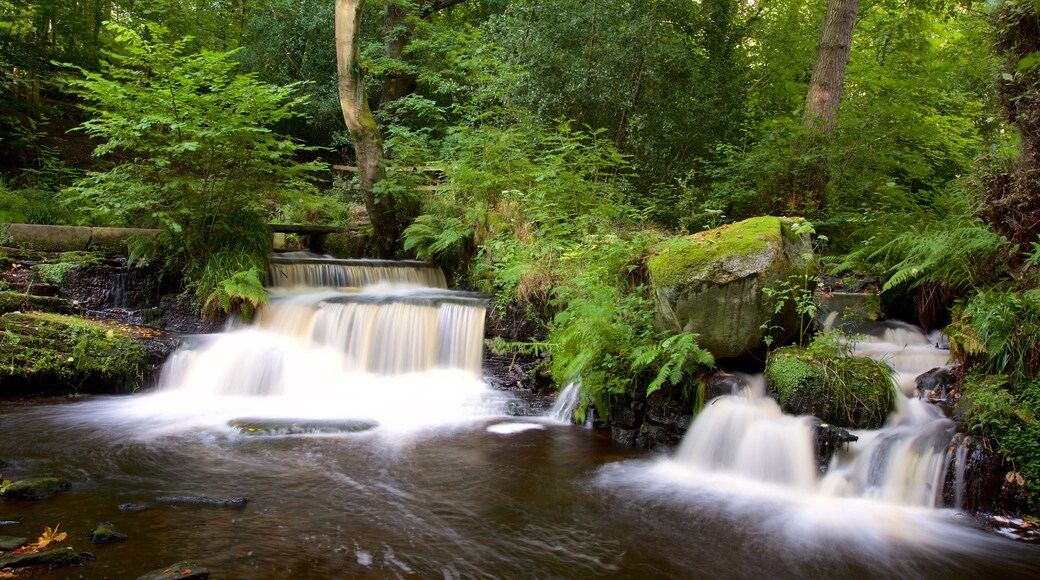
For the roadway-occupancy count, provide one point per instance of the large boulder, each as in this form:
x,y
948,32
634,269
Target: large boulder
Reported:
x,y
711,283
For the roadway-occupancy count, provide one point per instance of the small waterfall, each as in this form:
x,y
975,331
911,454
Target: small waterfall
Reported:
x,y
312,270
566,403
902,463
345,339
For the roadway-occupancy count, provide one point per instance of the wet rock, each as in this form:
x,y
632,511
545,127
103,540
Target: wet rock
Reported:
x,y
271,427
976,478
183,570
106,533
132,508
49,558
722,383
829,440
35,488
938,386
10,522
232,502
8,543
20,302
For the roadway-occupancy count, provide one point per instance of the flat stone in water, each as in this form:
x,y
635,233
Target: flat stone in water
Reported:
x,y
8,543
272,427
235,502
183,570
35,488
59,557
106,533
10,522
132,508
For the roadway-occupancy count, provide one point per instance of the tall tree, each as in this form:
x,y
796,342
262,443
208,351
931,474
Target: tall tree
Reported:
x,y
368,143
823,98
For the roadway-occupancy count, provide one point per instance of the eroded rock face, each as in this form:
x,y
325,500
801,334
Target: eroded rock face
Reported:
x,y
712,283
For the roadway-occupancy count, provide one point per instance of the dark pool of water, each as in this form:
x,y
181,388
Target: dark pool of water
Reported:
x,y
460,502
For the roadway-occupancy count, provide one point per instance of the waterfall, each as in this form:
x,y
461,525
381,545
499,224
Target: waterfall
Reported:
x,y
358,339
566,403
903,463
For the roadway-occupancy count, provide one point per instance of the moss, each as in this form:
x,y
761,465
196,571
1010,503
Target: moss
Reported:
x,y
34,488
54,269
680,259
106,533
42,352
16,301
847,391
58,557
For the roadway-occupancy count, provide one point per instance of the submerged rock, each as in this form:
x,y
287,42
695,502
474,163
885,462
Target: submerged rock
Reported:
x,y
132,508
106,533
711,283
829,440
234,502
8,543
35,488
183,570
251,426
49,558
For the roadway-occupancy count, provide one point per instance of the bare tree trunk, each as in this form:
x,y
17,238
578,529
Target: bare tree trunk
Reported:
x,y
397,31
368,143
821,103
832,58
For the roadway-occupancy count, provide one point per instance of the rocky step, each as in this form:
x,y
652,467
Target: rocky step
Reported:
x,y
274,427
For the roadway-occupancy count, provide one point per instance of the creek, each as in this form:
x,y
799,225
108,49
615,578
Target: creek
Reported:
x,y
353,416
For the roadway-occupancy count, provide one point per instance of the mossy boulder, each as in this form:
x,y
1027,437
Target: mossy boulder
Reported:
x,y
183,570
55,353
34,488
106,533
711,283
49,558
846,391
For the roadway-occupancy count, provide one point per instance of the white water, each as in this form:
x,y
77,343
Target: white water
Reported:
x,y
403,355
566,403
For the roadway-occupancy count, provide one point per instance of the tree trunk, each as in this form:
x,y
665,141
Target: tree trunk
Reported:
x,y
368,143
821,104
832,58
397,31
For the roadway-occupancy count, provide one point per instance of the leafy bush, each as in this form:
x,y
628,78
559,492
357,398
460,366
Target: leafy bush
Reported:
x,y
999,332
1011,420
191,152
826,381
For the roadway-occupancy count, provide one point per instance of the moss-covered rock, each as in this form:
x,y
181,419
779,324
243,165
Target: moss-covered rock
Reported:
x,y
847,391
34,488
711,283
183,570
55,353
19,302
50,558
106,533
8,543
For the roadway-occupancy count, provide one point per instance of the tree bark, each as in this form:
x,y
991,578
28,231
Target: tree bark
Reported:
x,y
821,106
368,143
832,58
397,31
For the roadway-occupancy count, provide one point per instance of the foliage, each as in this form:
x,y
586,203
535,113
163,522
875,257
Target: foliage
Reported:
x,y
998,330
192,153
826,381
1010,417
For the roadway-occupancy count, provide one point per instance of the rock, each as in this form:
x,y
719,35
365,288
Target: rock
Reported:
x,y
106,533
132,508
939,387
56,354
829,439
49,558
8,543
183,570
711,283
10,522
844,310
35,488
234,502
846,391
17,301
252,426
51,238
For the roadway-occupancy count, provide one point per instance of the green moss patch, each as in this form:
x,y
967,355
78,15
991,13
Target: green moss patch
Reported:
x,y
679,259
55,353
847,391
17,301
34,488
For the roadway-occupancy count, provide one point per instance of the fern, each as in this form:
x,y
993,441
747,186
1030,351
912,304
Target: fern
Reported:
x,y
242,290
431,236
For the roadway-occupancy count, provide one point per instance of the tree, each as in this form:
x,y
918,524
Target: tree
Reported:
x,y
824,96
191,152
368,143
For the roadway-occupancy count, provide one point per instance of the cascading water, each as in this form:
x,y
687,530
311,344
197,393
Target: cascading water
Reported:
x,y
341,339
